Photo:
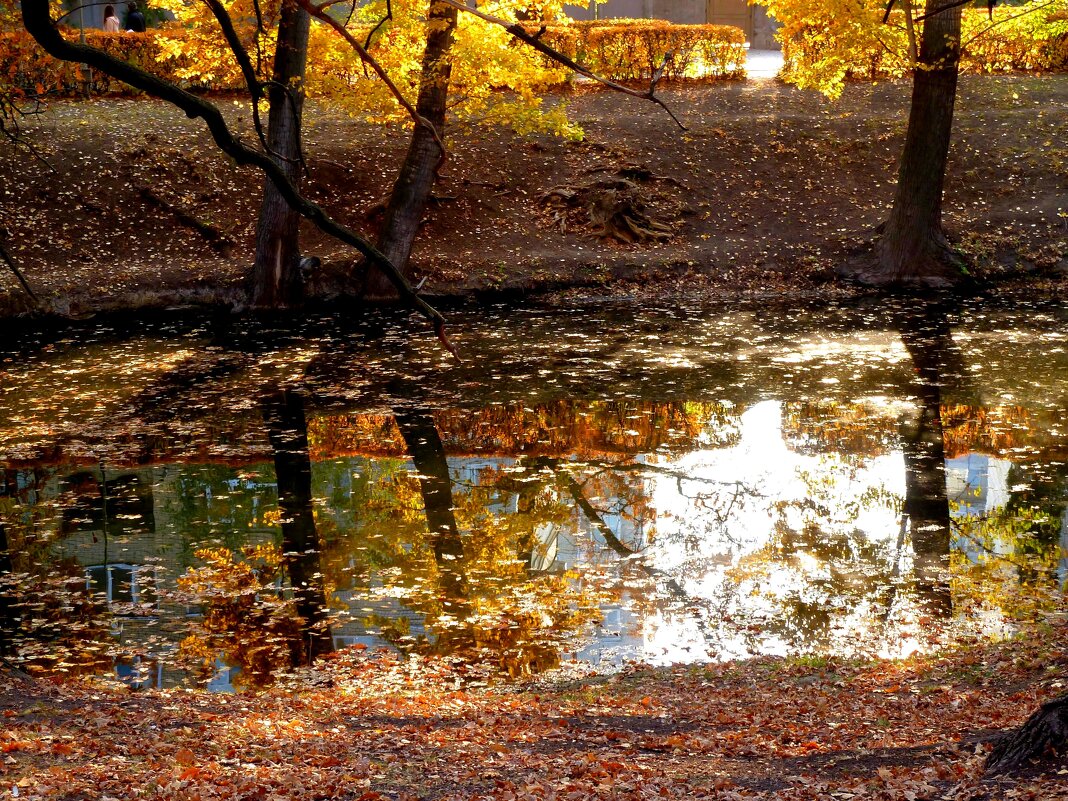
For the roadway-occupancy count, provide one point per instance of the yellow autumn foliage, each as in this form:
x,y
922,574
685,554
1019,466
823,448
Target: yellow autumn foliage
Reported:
x,y
826,44
494,79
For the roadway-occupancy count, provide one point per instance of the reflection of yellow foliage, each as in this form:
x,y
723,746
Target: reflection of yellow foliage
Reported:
x,y
272,517
521,628
869,431
995,431
565,427
245,619
1001,567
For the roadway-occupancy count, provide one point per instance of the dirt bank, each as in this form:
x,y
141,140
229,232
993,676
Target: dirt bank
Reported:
x,y
764,193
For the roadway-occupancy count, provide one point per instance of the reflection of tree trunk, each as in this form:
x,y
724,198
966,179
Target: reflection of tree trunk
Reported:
x,y
8,622
287,430
926,502
428,453
673,587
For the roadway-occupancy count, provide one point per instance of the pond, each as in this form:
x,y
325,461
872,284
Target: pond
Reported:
x,y
214,500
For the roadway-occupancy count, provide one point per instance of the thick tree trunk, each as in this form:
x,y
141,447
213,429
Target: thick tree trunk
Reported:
x,y
276,280
913,249
283,411
404,212
1045,732
926,506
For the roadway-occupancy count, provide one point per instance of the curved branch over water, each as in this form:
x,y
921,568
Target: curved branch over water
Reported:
x,y
37,19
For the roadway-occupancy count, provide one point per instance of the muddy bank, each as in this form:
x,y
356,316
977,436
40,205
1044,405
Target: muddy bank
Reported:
x,y
763,195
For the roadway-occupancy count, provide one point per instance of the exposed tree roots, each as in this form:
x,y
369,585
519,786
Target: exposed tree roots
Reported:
x,y
1043,734
929,263
609,206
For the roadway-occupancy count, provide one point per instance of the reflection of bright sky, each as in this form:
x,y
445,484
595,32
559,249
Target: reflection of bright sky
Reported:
x,y
697,547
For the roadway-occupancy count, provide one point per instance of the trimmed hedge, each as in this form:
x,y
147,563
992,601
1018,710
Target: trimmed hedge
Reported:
x,y
1032,42
25,67
621,50
632,49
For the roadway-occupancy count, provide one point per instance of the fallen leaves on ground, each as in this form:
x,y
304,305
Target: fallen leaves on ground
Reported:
x,y
368,726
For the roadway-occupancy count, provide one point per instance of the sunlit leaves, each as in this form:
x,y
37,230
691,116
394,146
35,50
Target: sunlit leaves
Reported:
x,y
827,43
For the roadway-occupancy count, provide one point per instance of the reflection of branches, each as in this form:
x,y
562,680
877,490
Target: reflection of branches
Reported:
x,y
895,573
724,516
741,489
986,548
594,516
645,467
662,578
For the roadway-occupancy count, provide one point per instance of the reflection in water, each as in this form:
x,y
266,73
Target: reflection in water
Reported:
x,y
287,430
926,508
712,487
424,445
8,621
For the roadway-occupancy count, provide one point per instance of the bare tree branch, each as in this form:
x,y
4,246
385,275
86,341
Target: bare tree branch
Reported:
x,y
519,32
253,82
990,27
39,24
381,22
18,273
370,60
11,112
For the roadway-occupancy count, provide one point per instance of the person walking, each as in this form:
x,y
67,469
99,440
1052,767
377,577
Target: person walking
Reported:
x,y
111,21
135,20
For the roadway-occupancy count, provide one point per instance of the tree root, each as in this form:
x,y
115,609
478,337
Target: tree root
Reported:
x,y
1045,732
935,265
219,241
610,206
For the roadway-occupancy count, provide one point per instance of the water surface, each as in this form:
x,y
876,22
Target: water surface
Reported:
x,y
217,500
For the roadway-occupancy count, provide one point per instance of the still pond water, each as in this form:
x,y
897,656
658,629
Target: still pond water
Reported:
x,y
212,501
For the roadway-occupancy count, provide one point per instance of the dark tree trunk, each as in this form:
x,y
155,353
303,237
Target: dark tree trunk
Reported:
x,y
404,212
1044,733
913,249
926,507
275,280
428,453
283,411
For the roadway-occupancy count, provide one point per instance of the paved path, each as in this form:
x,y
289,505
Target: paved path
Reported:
x,y
763,64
